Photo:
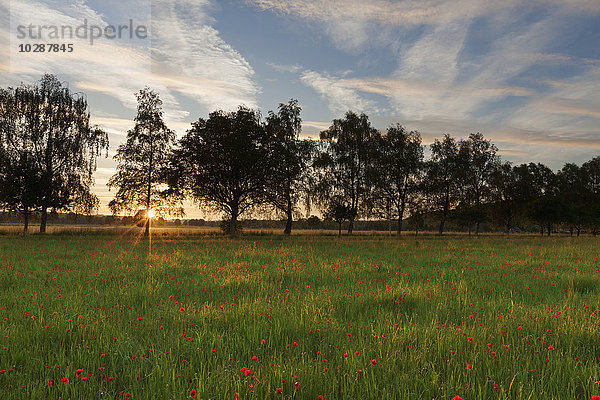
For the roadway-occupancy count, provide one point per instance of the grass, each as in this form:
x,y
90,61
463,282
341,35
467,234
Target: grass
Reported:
x,y
357,317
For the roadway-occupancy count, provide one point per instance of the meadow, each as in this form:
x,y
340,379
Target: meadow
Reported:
x,y
111,316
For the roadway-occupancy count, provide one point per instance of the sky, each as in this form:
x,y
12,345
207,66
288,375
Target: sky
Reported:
x,y
526,74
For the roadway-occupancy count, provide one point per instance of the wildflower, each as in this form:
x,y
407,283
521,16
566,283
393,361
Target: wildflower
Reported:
x,y
279,390
193,393
64,380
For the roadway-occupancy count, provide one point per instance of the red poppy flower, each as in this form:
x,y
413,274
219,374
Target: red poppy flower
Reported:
x,y
193,393
78,372
64,380
279,390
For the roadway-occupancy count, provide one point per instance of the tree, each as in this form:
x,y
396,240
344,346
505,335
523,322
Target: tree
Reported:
x,y
19,178
49,149
572,191
444,178
503,189
345,163
339,213
143,164
225,162
395,170
537,186
591,175
480,164
291,157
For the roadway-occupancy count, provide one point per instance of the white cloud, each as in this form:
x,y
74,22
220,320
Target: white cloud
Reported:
x,y
285,68
187,58
341,97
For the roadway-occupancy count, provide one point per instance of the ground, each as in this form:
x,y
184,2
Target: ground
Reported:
x,y
107,315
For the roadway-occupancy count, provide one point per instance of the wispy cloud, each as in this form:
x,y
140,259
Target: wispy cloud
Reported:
x,y
285,68
340,96
449,73
186,57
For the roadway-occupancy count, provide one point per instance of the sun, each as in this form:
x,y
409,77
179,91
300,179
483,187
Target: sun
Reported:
x,y
151,213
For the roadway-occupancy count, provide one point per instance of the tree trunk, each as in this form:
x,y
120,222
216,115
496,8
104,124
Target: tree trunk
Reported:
x,y
288,224
147,225
233,222
351,226
477,228
401,217
549,229
469,230
339,229
25,221
578,231
44,219
442,223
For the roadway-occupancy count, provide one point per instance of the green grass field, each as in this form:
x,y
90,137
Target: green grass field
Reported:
x,y
271,317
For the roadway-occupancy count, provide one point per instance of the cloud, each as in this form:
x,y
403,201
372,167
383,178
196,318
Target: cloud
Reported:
x,y
285,68
184,56
340,97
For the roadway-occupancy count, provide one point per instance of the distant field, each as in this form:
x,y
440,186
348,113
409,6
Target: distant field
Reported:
x,y
111,315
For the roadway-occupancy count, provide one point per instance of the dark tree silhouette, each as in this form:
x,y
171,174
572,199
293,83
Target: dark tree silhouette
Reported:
x,y
339,213
346,161
571,181
49,149
591,172
480,164
506,201
395,169
291,157
143,164
20,189
225,162
538,188
444,178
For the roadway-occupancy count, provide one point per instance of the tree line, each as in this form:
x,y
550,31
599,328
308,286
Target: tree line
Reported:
x,y
236,163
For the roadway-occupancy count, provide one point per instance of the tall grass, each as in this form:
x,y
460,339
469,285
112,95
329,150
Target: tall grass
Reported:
x,y
356,317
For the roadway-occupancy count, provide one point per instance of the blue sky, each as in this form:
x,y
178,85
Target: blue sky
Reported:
x,y
525,74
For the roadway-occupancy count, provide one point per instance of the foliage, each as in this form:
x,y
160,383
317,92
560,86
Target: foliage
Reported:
x,y
288,183
143,163
396,171
345,163
225,162
48,149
